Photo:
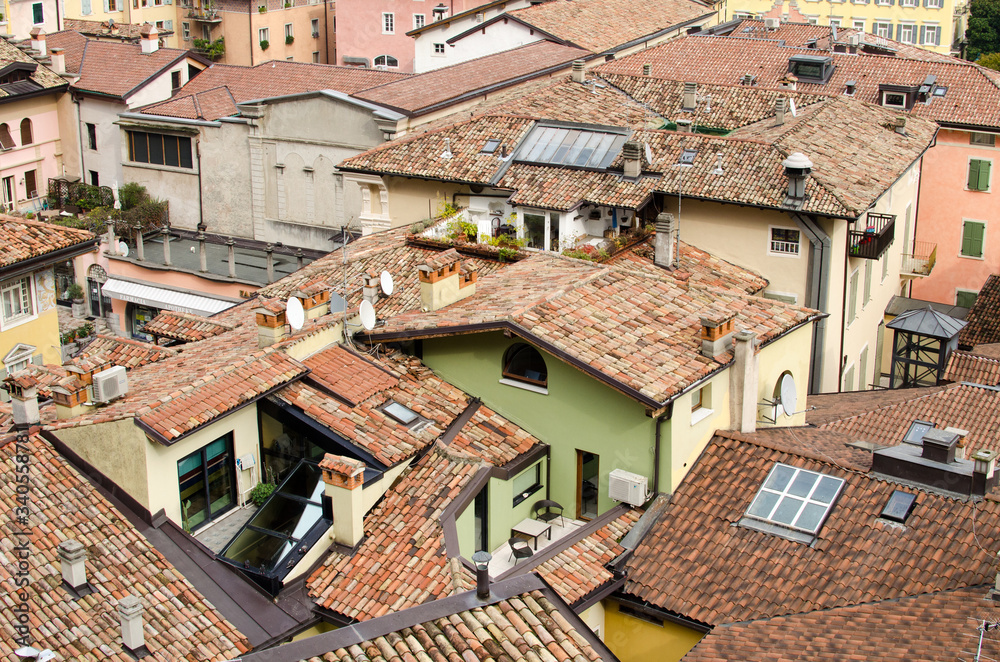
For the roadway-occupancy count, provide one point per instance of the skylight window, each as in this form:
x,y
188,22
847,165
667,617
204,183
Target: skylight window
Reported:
x,y
490,146
899,507
687,157
571,146
795,498
402,414
915,435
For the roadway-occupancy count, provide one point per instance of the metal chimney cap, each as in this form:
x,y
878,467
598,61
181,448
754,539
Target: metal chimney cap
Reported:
x,y
797,161
482,558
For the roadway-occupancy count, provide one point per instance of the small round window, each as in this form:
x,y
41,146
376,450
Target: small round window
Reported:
x,y
525,364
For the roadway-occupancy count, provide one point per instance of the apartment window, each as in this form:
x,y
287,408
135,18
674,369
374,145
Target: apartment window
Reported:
x,y
701,404
868,282
206,32
965,298
6,140
175,81
316,57
933,4
159,149
16,297
112,5
159,26
386,61
289,31
524,363
987,139
907,3
37,13
26,138
388,23
979,174
186,30
30,185
907,33
859,25
315,27
438,49
852,298
527,483
930,35
812,20
18,358
894,99
418,21
882,29
836,23
973,233
264,34
92,136
95,178
784,241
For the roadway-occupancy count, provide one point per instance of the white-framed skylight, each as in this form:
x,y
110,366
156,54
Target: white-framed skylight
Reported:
x,y
795,498
402,414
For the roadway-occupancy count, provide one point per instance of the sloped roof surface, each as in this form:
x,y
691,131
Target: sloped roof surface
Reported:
x,y
927,322
183,326
983,326
697,563
971,367
125,351
43,77
23,239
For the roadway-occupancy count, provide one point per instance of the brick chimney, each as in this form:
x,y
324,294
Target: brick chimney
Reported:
x,y
579,73
70,397
315,298
23,389
270,323
445,280
149,39
371,287
632,158
58,56
744,377
344,478
38,41
665,241
716,333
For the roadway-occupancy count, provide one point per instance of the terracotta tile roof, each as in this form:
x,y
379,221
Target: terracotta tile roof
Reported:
x,y
963,406
214,92
102,29
638,329
791,33
44,77
724,107
704,268
180,624
697,563
936,627
984,317
492,437
604,25
23,239
973,95
829,407
970,367
581,568
45,375
125,351
402,561
184,326
527,627
347,374
419,94
108,67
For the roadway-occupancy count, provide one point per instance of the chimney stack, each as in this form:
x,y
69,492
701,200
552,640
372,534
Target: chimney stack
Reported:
x,y
371,287
130,616
779,111
270,323
149,39
683,126
984,475
344,478
797,168
23,390
716,333
482,560
743,381
72,561
647,70
315,297
632,157
38,41
58,56
579,74
690,98
444,279
788,81
899,124
665,240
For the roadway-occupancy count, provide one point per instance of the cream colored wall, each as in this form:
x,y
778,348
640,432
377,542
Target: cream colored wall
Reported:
x,y
242,39
412,200
593,616
373,492
118,450
789,353
162,460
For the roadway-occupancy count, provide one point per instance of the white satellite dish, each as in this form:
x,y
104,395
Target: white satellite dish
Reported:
x,y
791,105
789,397
367,313
294,313
123,248
385,281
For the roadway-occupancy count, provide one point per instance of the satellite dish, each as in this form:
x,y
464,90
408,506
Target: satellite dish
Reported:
x,y
367,315
294,313
385,280
123,248
791,105
789,397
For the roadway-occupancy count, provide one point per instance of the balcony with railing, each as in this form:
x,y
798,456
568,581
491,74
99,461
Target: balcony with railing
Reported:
x,y
871,242
205,14
920,262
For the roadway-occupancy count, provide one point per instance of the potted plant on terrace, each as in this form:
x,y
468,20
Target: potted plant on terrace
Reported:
x,y
75,292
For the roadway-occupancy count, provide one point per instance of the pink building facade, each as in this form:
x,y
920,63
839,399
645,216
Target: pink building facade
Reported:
x,y
959,211
373,32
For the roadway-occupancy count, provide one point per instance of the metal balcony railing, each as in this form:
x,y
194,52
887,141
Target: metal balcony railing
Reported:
x,y
204,15
921,261
875,238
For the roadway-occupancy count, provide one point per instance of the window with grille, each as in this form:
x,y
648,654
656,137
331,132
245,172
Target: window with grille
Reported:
x,y
16,299
160,149
784,241
388,23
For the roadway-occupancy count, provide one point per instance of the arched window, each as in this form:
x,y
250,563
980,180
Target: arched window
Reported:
x,y
26,132
524,363
6,140
386,61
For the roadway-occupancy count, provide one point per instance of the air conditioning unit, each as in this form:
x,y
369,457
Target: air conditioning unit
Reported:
x,y
772,23
853,40
627,487
110,384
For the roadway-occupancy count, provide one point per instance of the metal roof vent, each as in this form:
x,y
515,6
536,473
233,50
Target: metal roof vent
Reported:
x,y
797,168
446,154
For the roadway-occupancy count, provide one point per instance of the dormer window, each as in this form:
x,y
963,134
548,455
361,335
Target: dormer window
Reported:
x,y
811,68
897,96
894,99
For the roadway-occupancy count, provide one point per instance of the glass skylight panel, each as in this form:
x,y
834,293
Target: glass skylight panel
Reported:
x,y
491,146
899,506
795,498
400,413
580,147
915,435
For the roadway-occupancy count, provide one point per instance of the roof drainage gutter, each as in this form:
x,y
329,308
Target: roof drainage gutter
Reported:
x,y
819,292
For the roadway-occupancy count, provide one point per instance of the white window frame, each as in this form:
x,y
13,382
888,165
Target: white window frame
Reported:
x,y
419,21
264,34
859,25
314,27
19,358
388,22
879,26
914,33
787,244
186,30
701,404
22,317
289,31
435,52
837,22
885,99
934,4
812,20
932,34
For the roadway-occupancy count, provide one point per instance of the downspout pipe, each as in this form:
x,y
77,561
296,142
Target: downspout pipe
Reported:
x,y
819,291
656,453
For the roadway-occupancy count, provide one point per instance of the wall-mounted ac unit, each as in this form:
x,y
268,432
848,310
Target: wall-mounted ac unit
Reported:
x,y
772,23
627,487
110,384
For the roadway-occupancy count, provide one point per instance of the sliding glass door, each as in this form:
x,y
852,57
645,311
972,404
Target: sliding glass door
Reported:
x,y
206,483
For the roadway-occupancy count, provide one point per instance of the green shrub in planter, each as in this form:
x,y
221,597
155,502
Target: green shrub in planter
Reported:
x,y
264,44
75,292
260,493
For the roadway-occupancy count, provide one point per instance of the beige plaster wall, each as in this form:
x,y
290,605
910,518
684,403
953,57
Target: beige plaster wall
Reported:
x,y
117,450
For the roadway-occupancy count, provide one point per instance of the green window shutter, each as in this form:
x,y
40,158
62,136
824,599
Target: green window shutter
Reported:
x,y
972,239
974,174
965,299
984,175
852,303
